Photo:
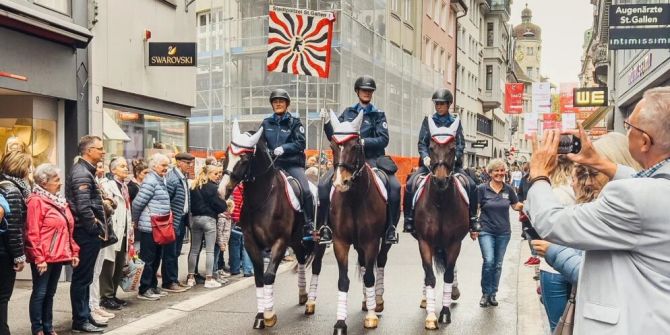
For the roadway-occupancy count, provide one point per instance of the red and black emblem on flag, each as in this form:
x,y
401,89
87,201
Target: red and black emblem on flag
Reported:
x,y
299,41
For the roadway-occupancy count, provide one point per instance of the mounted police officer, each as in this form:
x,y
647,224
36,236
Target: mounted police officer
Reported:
x,y
442,98
285,137
374,136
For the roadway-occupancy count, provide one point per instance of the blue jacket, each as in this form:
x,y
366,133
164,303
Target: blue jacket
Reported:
x,y
424,135
288,133
567,261
153,198
374,130
177,195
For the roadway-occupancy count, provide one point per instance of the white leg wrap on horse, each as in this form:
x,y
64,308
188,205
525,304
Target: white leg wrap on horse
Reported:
x,y
379,283
312,287
430,300
446,297
302,282
260,299
370,301
423,292
269,301
455,277
341,305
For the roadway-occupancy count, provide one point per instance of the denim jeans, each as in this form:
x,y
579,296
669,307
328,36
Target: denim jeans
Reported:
x,y
493,249
238,257
555,293
82,276
219,261
202,226
42,299
151,256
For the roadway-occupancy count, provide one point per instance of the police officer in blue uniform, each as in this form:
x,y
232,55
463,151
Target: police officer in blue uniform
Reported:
x,y
442,98
285,137
374,136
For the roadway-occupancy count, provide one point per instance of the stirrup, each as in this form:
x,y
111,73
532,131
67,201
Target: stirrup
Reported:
x,y
320,232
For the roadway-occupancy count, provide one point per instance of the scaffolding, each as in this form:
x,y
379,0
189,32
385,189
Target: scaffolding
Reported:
x,y
232,81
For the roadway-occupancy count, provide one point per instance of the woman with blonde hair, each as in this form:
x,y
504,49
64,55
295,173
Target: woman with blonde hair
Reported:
x,y
205,208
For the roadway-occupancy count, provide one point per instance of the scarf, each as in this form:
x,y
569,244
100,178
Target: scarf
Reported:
x,y
58,199
124,190
21,185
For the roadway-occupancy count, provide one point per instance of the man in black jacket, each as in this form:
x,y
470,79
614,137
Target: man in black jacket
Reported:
x,y
85,199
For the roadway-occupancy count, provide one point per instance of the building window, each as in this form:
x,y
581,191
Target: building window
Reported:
x,y
484,125
436,10
450,69
394,6
489,34
489,77
443,17
529,72
442,60
429,50
407,15
203,19
436,57
61,6
529,51
452,26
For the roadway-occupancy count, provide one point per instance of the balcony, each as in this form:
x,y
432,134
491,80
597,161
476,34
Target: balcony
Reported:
x,y
493,53
500,5
491,99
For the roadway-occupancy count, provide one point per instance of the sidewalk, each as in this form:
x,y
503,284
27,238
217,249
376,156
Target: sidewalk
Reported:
x,y
19,321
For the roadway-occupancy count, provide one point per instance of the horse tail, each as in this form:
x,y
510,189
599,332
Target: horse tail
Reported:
x,y
440,259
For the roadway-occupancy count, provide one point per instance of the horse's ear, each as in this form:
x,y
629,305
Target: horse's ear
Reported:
x,y
432,127
236,129
255,137
356,123
334,120
454,126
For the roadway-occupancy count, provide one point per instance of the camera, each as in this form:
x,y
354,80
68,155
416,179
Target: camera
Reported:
x,y
569,144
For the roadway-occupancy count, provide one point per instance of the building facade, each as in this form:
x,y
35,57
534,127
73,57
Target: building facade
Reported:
x,y
140,109
528,53
379,38
41,97
439,38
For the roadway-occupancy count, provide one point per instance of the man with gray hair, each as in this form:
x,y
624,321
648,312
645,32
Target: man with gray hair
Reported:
x,y
625,277
85,199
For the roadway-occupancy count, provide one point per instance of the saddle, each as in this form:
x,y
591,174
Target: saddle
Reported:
x,y
420,183
381,183
293,191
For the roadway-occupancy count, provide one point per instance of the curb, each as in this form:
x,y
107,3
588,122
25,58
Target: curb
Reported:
x,y
154,321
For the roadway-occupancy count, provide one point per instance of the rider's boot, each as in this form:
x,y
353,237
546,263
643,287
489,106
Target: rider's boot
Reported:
x,y
408,212
391,237
308,228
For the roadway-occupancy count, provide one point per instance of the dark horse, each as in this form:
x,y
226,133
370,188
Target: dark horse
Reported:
x,y
268,220
357,217
441,216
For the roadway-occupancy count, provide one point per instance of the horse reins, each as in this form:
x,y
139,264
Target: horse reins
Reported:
x,y
357,171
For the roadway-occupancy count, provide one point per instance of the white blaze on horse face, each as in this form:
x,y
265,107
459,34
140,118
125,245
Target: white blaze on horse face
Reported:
x,y
233,159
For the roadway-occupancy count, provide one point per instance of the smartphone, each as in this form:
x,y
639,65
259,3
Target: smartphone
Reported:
x,y
569,144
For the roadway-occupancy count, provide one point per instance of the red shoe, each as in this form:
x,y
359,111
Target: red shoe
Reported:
x,y
532,261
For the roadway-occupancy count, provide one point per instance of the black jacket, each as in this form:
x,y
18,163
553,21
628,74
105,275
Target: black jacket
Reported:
x,y
11,242
374,129
290,135
84,197
424,136
205,201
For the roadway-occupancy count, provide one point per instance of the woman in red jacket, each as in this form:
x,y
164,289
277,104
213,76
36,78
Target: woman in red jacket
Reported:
x,y
49,244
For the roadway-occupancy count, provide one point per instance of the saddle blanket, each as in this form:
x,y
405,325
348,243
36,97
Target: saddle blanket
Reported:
x,y
294,199
421,187
378,183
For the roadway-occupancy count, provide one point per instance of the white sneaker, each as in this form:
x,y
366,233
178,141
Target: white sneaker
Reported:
x,y
222,281
224,274
102,312
190,282
99,319
211,283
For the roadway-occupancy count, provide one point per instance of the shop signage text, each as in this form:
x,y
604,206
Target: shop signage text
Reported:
x,y
590,97
480,144
514,98
639,70
639,15
172,54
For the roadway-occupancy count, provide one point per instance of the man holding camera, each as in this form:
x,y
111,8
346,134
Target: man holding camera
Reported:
x,y
625,279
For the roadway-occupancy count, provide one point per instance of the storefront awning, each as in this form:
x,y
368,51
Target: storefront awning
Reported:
x,y
30,21
112,131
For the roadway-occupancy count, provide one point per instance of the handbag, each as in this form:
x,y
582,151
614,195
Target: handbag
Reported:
x,y
132,272
111,235
162,228
566,323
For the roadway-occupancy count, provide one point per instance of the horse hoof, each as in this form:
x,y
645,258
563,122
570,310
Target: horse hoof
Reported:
x,y
365,307
380,307
271,322
423,303
431,322
371,322
445,316
455,293
310,307
302,299
340,328
259,322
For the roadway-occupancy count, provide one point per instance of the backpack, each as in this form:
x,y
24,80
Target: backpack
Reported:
x,y
4,225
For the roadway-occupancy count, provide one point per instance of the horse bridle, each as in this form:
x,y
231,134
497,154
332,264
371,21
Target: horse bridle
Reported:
x,y
247,176
439,163
358,169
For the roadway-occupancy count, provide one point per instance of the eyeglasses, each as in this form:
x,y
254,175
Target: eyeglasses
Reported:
x,y
98,148
628,126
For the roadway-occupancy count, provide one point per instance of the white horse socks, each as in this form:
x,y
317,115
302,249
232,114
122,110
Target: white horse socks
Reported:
x,y
260,300
430,299
269,302
379,282
341,305
312,287
370,301
446,296
302,282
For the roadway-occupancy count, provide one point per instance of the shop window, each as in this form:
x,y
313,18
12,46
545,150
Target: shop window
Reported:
x,y
38,136
61,6
134,135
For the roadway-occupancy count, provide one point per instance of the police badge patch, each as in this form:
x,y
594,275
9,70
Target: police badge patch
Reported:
x,y
385,125
302,129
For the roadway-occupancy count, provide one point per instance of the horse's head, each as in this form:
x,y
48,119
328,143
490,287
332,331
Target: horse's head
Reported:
x,y
238,158
348,156
442,151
